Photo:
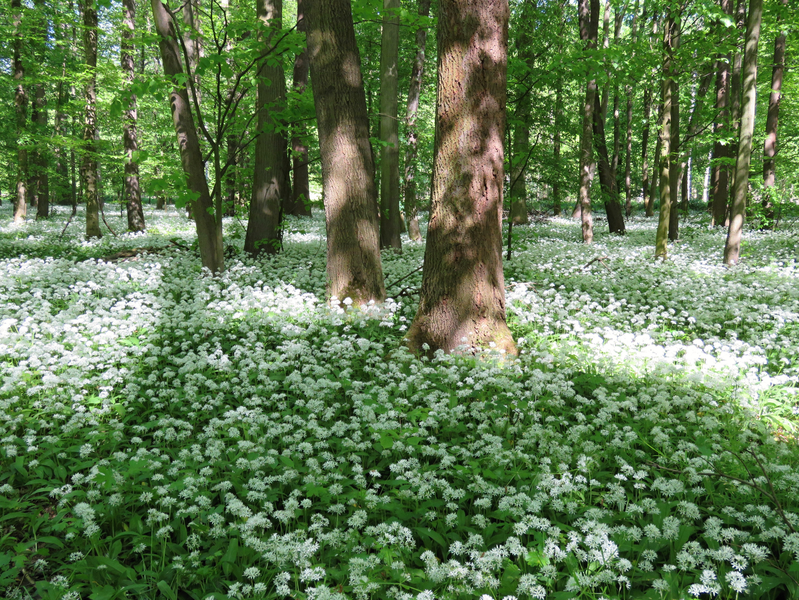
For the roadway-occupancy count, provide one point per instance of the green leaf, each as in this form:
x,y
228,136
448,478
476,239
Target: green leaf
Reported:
x,y
167,590
386,441
107,592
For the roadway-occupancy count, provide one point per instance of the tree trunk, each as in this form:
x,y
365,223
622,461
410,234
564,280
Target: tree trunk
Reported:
x,y
721,151
354,269
41,178
132,193
697,106
269,188
675,167
628,202
556,147
521,150
230,176
735,87
21,109
666,129
389,128
645,148
743,161
588,13
770,145
463,287
89,167
300,204
209,225
607,181
414,93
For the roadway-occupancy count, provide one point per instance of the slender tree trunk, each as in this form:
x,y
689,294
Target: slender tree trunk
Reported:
x,y
463,288
521,150
389,128
89,168
772,121
209,225
607,181
300,190
264,233
354,269
628,190
666,130
132,192
743,161
735,88
645,148
42,179
721,151
588,12
675,167
556,147
687,153
62,183
21,108
414,93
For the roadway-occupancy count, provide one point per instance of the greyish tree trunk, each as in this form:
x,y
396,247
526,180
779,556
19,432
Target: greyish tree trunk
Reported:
x,y
132,193
89,170
463,288
354,268
21,109
300,204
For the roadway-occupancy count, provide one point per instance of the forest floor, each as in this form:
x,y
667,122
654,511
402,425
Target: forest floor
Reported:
x,y
169,435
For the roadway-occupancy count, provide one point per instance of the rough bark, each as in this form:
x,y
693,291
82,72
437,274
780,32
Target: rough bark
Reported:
x,y
411,136
743,161
772,121
588,13
666,129
269,188
735,88
209,228
300,204
89,166
21,109
132,194
389,128
463,287
354,269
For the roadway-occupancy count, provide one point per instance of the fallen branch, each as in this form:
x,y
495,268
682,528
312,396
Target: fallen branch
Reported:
x,y
72,214
416,270
102,214
599,259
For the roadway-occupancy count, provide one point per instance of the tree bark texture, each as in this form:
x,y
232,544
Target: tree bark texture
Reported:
x,y
354,269
300,204
463,285
270,180
89,170
588,14
411,135
732,248
666,129
721,151
209,228
735,86
607,179
772,121
21,109
132,193
389,128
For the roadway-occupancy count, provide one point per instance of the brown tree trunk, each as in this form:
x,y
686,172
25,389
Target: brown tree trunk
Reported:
x,y
389,128
666,131
89,167
521,150
628,190
645,148
735,88
463,287
607,181
414,93
721,151
132,193
209,225
62,183
588,13
269,188
21,108
354,269
732,248
772,121
300,204
674,156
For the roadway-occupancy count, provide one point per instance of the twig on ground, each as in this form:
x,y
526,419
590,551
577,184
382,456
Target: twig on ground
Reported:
x,y
416,270
599,259
102,214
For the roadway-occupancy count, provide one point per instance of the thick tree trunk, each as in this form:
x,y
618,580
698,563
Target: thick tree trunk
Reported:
x,y
588,13
743,161
556,207
300,204
721,151
269,188
89,168
389,128
21,108
607,181
209,225
735,88
463,287
414,93
354,269
132,194
772,121
666,130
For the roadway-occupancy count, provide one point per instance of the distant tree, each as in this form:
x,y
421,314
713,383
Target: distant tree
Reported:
x,y
772,121
21,108
300,204
463,286
354,269
721,151
743,161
